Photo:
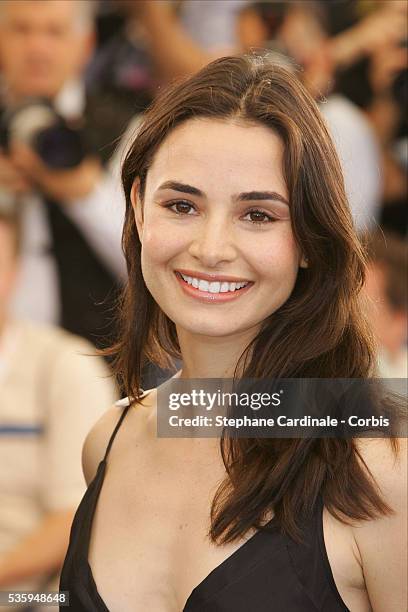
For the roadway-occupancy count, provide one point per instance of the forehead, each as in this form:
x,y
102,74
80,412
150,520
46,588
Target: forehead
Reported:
x,y
40,11
222,152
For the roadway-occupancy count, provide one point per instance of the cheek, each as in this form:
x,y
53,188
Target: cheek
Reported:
x,y
156,250
276,257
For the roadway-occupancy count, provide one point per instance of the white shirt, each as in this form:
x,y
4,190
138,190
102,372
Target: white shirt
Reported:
x,y
359,154
51,394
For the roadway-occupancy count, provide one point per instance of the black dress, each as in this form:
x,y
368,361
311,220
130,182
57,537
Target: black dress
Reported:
x,y
268,573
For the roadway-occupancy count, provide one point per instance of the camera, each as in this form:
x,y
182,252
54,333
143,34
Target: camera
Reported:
x,y
59,143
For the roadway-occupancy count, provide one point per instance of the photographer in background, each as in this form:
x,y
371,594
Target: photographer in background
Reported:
x,y
54,144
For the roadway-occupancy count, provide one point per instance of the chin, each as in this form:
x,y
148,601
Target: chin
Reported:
x,y
40,87
211,329
214,331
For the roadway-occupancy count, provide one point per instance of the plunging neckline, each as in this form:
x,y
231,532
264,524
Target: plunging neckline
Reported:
x,y
302,572
269,525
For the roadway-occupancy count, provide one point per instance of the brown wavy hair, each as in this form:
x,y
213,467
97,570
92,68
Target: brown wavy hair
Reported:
x,y
318,332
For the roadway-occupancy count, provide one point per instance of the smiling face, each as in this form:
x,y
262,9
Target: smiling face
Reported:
x,y
215,211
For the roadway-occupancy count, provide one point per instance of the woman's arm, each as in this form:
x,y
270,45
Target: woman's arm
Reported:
x,y
383,542
385,26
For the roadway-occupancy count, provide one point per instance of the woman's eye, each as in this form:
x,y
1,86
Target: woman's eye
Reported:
x,y
180,207
258,216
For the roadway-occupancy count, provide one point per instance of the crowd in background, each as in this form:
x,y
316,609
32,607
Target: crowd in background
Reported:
x,y
75,78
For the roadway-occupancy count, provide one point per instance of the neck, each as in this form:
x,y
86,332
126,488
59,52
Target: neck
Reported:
x,y
11,98
69,99
211,357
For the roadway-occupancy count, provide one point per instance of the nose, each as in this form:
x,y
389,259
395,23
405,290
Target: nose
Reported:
x,y
213,242
38,45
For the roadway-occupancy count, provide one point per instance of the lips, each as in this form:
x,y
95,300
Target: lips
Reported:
x,y
212,292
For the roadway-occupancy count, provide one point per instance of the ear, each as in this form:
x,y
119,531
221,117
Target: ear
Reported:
x,y
137,207
87,48
303,262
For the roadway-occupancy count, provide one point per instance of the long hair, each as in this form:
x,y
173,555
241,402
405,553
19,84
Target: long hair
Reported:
x,y
318,332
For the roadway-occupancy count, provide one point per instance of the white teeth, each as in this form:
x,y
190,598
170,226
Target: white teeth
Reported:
x,y
203,285
215,287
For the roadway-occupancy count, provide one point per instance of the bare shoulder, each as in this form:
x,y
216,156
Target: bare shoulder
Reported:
x,y
97,440
382,541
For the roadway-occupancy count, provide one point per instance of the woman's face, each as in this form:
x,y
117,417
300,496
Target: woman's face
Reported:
x,y
215,213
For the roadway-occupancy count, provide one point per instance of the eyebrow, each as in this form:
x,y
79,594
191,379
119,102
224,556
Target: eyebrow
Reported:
x,y
248,196
181,187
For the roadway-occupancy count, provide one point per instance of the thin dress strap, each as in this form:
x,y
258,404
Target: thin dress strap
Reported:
x,y
118,424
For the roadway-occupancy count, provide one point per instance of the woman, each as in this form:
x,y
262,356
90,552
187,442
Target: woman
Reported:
x,y
233,178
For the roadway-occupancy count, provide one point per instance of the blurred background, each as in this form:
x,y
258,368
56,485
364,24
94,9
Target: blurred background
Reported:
x,y
75,78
